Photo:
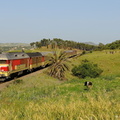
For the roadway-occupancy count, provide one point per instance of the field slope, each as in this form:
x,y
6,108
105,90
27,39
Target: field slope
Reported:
x,y
41,97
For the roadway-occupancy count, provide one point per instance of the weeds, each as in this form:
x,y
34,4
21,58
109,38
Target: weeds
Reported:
x,y
18,81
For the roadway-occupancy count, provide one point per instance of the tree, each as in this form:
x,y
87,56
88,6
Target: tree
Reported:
x,y
59,42
59,65
32,44
38,44
0,50
87,69
113,45
53,44
45,42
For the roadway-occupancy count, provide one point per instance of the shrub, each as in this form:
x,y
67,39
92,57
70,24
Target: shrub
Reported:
x,y
87,69
91,51
84,52
18,81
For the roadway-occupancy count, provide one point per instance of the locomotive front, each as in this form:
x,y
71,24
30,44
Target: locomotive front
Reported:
x,y
4,67
13,64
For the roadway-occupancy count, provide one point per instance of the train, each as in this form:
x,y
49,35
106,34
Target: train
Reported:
x,y
14,64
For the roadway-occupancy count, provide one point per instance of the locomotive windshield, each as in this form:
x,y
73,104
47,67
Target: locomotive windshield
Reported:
x,y
2,61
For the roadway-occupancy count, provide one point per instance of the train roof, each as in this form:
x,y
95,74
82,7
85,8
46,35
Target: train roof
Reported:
x,y
34,54
13,55
47,52
67,51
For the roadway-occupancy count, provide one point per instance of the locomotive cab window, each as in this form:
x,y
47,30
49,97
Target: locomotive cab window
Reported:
x,y
2,61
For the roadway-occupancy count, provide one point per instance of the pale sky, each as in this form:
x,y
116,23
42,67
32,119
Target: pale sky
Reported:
x,y
29,21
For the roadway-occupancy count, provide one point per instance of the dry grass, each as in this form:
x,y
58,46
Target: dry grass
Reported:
x,y
94,109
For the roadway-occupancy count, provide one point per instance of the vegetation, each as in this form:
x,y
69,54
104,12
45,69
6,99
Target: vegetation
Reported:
x,y
59,43
65,44
108,62
87,69
113,45
76,45
59,65
49,99
44,97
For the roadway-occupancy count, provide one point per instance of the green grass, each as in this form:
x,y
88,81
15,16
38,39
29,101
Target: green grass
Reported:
x,y
110,63
51,99
42,97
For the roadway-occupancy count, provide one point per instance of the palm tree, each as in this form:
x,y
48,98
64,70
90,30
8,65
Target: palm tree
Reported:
x,y
59,65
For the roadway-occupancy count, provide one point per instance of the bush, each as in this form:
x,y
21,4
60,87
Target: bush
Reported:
x,y
87,69
18,81
84,52
91,51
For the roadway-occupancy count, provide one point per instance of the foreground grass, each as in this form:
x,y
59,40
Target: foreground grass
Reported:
x,y
48,99
41,97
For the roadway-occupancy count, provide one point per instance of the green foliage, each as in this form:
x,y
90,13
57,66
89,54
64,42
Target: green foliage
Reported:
x,y
18,81
59,65
91,51
59,43
84,52
114,45
87,69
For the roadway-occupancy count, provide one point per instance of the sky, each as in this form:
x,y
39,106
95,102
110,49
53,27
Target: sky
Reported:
x,y
26,21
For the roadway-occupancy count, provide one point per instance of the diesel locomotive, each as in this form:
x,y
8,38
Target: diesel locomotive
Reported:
x,y
13,64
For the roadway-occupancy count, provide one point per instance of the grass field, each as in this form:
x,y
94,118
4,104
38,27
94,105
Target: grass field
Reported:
x,y
110,63
42,97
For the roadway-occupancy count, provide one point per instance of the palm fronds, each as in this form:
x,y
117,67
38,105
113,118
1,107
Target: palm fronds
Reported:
x,y
59,65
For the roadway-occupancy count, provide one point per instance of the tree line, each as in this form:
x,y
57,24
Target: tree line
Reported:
x,y
65,44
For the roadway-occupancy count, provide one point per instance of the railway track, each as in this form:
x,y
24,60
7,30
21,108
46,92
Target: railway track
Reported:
x,y
8,82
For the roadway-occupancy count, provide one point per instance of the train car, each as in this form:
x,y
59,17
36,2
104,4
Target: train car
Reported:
x,y
71,53
45,58
36,60
13,64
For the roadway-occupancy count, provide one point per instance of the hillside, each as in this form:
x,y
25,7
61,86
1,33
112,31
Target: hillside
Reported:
x,y
14,44
108,60
43,97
